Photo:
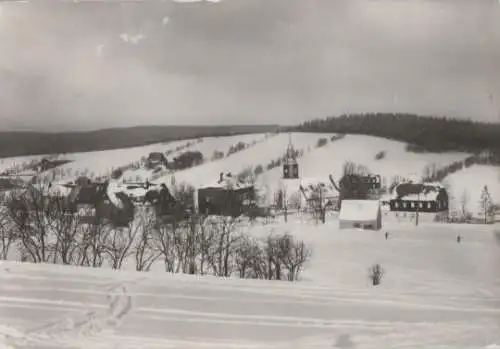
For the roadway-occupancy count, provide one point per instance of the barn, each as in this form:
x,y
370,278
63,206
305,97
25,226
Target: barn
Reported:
x,y
364,214
227,197
155,159
319,189
421,197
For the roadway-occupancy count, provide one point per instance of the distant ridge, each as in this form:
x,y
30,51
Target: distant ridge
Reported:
x,y
22,143
422,133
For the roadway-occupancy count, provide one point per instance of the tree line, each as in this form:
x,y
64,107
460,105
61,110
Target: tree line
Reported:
x,y
422,133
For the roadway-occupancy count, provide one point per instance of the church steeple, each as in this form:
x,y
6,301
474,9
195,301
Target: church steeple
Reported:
x,y
290,165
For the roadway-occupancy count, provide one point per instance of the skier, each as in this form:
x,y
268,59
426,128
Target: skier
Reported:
x,y
459,238
386,235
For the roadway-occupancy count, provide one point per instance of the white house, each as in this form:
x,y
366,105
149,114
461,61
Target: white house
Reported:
x,y
365,214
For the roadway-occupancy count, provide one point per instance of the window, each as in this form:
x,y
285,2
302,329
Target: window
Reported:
x,y
396,204
421,205
412,204
429,206
405,204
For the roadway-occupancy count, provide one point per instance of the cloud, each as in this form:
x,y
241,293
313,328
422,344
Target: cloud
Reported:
x,y
245,61
133,39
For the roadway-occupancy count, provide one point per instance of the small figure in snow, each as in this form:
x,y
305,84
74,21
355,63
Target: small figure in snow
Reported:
x,y
386,235
459,238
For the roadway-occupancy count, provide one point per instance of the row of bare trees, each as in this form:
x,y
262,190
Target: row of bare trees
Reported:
x,y
220,246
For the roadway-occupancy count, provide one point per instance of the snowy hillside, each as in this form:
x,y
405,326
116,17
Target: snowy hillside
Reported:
x,y
435,294
381,156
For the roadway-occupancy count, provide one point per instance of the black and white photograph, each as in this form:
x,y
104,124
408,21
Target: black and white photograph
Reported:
x,y
249,174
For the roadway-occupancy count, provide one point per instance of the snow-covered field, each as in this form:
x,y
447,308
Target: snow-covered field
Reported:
x,y
436,293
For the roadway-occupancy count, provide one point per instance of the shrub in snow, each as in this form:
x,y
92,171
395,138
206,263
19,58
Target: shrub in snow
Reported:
x,y
321,142
380,155
217,155
376,272
337,137
186,160
258,170
236,148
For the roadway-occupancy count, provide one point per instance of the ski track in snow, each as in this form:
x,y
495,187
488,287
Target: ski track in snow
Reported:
x,y
66,331
165,311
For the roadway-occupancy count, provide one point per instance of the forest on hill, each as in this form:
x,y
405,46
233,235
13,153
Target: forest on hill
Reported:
x,y
36,143
422,133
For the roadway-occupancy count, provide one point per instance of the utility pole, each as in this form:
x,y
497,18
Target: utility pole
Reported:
x,y
418,210
322,206
284,200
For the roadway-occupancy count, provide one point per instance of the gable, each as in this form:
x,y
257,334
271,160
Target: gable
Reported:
x,y
359,210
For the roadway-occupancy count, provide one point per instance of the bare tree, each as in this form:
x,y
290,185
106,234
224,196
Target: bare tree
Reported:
x,y
351,168
294,256
249,259
118,244
7,233
225,244
430,172
31,217
486,204
275,258
163,240
206,243
92,249
464,202
145,252
286,257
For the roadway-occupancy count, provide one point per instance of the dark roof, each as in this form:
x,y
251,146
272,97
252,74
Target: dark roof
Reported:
x,y
156,156
410,189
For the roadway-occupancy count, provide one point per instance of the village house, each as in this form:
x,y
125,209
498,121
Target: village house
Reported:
x,y
227,196
361,214
155,159
421,197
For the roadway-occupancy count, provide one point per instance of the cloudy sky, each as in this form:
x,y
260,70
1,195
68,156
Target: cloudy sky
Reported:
x,y
91,65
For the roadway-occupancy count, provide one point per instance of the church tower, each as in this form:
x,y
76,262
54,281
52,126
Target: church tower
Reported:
x,y
290,165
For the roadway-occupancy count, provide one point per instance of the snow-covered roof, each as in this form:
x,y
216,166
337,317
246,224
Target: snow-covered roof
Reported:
x,y
112,189
429,192
359,210
136,192
307,183
430,196
228,182
311,184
